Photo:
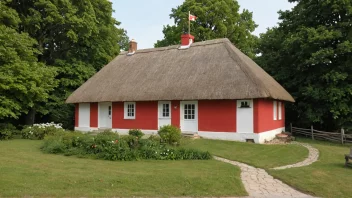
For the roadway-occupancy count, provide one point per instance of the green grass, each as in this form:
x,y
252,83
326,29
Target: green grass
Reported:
x,y
258,155
325,178
26,171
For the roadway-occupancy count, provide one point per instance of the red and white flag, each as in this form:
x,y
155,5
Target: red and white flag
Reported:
x,y
192,17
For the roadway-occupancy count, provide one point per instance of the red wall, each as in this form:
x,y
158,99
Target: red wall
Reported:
x,y
264,116
76,114
94,114
217,115
175,113
146,116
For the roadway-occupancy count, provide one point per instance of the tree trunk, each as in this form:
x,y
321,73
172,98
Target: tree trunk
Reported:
x,y
30,117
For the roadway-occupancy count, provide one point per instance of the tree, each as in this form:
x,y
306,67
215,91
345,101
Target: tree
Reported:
x,y
215,19
76,37
23,81
310,53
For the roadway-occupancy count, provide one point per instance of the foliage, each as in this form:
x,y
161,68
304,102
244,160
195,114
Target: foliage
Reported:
x,y
39,131
52,43
215,19
23,81
170,134
136,132
310,54
7,131
110,146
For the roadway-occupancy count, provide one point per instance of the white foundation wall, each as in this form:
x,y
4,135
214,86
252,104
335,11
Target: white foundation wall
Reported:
x,y
242,137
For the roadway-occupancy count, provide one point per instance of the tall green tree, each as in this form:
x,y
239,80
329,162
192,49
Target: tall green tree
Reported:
x,y
310,53
215,19
23,81
77,37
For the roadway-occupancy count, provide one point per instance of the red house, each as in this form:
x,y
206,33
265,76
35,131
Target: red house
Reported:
x,y
207,88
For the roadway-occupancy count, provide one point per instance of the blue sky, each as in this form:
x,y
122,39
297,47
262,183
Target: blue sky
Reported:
x,y
144,19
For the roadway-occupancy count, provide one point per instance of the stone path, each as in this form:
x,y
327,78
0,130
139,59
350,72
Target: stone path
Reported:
x,y
312,157
259,184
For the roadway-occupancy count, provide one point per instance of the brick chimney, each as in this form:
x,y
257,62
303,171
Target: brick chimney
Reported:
x,y
133,46
185,39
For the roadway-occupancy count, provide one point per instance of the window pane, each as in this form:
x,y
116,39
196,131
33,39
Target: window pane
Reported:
x,y
192,117
189,111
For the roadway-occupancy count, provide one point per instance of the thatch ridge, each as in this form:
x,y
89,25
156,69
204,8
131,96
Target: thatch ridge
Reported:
x,y
209,70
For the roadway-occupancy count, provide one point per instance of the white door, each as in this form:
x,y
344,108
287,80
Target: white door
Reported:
x,y
164,113
245,116
189,116
105,115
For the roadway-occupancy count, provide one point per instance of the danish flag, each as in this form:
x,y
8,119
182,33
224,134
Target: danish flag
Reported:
x,y
192,17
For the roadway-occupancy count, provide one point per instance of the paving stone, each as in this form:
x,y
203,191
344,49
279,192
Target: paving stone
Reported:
x,y
266,187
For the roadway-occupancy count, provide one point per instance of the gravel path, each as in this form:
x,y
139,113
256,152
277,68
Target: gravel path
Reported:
x,y
312,157
259,184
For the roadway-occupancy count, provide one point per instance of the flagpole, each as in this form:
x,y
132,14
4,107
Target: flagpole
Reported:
x,y
189,22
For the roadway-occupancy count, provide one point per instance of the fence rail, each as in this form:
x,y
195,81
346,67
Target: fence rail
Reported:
x,y
340,137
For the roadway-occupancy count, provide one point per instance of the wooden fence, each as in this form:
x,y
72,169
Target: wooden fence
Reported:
x,y
340,137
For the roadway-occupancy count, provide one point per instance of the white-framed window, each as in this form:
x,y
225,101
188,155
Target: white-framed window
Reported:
x,y
275,110
280,111
165,110
245,104
189,111
130,110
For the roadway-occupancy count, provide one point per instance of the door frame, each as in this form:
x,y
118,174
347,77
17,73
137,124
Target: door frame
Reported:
x,y
182,103
110,104
170,112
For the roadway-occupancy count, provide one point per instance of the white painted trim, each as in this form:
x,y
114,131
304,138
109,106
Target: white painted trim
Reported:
x,y
125,116
125,131
182,114
244,117
233,136
275,110
84,115
280,111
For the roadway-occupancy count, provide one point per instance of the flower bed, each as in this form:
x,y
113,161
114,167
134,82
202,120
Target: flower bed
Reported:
x,y
110,146
39,131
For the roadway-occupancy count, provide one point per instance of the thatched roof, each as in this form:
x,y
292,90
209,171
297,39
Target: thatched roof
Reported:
x,y
208,70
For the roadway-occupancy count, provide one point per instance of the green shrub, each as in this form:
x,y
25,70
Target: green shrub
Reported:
x,y
170,134
111,146
136,132
7,131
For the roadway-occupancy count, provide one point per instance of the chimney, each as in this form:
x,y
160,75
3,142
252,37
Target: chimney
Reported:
x,y
133,46
185,39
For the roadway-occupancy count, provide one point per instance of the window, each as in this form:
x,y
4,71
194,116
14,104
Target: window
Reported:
x,y
166,110
109,110
245,104
130,110
280,111
189,111
275,110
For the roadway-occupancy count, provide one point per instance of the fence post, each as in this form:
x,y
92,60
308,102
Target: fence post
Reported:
x,y
312,131
291,129
342,135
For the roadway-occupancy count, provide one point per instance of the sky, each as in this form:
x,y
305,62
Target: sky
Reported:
x,y
144,19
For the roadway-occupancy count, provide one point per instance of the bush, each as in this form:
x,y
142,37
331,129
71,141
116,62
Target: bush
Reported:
x,y
7,131
136,132
39,131
110,146
170,134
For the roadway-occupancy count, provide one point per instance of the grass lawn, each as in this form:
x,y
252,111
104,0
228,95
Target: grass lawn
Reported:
x,y
26,171
325,178
258,155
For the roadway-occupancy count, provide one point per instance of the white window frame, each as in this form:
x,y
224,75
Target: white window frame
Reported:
x,y
160,111
275,110
280,111
249,102
126,117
